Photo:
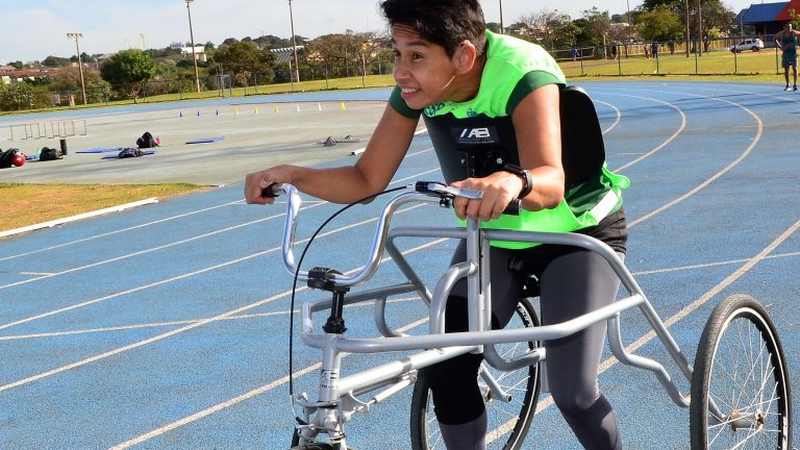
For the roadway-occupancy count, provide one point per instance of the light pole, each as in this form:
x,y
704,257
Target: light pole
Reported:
x,y
191,36
688,32
630,20
294,43
502,29
700,37
77,36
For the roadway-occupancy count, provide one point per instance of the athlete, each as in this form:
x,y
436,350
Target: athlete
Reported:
x,y
787,40
479,90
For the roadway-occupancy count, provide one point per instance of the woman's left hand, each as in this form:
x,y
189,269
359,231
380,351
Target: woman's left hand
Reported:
x,y
499,189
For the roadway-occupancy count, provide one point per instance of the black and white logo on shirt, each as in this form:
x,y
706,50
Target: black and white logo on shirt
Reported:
x,y
478,135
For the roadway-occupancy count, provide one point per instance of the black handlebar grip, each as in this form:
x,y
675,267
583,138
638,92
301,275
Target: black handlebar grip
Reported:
x,y
269,191
513,207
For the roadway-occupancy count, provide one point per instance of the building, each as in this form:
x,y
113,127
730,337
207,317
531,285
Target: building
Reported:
x,y
767,18
199,52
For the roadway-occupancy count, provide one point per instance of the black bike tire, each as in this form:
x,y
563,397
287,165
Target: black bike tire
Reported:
x,y
419,399
749,308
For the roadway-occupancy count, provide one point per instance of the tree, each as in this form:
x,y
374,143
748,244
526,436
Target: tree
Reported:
x,y
660,24
68,81
244,59
128,71
551,29
55,61
16,64
20,96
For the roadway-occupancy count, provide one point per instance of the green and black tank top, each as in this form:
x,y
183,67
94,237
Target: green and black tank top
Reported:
x,y
514,68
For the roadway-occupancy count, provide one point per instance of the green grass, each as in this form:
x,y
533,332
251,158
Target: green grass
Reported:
x,y
29,204
717,65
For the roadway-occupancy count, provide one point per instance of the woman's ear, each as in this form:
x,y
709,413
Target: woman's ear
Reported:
x,y
465,57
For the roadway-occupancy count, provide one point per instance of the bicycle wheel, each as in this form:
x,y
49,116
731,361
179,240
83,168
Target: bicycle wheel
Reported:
x,y
508,422
740,366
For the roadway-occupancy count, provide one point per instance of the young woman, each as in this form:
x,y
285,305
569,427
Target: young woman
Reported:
x,y
474,87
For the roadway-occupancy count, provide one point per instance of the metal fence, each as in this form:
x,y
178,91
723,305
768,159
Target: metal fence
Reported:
x,y
715,57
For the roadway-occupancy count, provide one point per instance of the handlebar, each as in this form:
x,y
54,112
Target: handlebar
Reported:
x,y
424,192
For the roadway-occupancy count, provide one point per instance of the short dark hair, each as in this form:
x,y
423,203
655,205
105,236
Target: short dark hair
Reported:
x,y
443,22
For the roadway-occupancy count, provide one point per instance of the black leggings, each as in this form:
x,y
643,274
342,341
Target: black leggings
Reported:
x,y
571,282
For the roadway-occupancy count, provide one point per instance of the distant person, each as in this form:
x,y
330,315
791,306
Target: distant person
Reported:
x,y
646,53
654,49
787,40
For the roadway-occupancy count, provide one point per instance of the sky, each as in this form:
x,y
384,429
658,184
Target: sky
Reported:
x,y
33,29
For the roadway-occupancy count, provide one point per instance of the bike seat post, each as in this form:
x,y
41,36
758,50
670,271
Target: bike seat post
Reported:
x,y
323,278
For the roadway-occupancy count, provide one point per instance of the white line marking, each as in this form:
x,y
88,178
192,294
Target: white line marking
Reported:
x,y
669,140
716,176
168,334
281,313
174,323
227,404
111,233
75,218
616,111
165,246
190,274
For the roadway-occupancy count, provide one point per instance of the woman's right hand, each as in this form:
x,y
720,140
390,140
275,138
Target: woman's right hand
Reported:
x,y
254,183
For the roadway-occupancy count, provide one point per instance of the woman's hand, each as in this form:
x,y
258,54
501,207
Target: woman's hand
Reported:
x,y
499,189
255,183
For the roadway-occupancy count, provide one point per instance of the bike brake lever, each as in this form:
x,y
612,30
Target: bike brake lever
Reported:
x,y
442,189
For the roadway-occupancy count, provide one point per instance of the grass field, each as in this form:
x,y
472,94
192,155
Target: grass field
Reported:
x,y
723,65
28,204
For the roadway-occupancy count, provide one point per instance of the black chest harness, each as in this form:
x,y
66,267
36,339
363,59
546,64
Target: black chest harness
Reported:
x,y
479,146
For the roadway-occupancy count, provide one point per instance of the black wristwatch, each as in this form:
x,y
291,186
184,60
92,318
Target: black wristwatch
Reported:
x,y
524,175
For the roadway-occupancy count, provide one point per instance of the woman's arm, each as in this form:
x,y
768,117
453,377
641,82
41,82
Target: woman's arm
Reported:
x,y
370,175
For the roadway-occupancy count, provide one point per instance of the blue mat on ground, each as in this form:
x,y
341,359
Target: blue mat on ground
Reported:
x,y
209,140
100,150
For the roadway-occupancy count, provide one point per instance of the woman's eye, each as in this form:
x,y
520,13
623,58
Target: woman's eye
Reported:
x,y
416,56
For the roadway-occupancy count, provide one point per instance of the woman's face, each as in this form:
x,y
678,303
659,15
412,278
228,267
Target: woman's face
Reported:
x,y
423,70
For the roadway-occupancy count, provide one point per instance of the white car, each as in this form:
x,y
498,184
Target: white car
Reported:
x,y
754,44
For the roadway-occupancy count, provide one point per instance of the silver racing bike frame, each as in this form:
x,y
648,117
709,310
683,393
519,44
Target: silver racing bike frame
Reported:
x,y
339,398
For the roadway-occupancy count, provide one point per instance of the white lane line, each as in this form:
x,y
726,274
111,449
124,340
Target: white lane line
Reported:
x,y
168,334
123,230
77,217
246,396
756,139
148,224
35,274
175,322
669,140
165,246
616,111
399,300
190,274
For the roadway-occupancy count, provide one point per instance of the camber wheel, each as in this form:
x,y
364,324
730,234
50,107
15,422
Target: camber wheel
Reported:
x,y
508,422
740,370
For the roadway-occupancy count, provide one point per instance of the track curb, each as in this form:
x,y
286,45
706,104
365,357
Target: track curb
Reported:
x,y
75,218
